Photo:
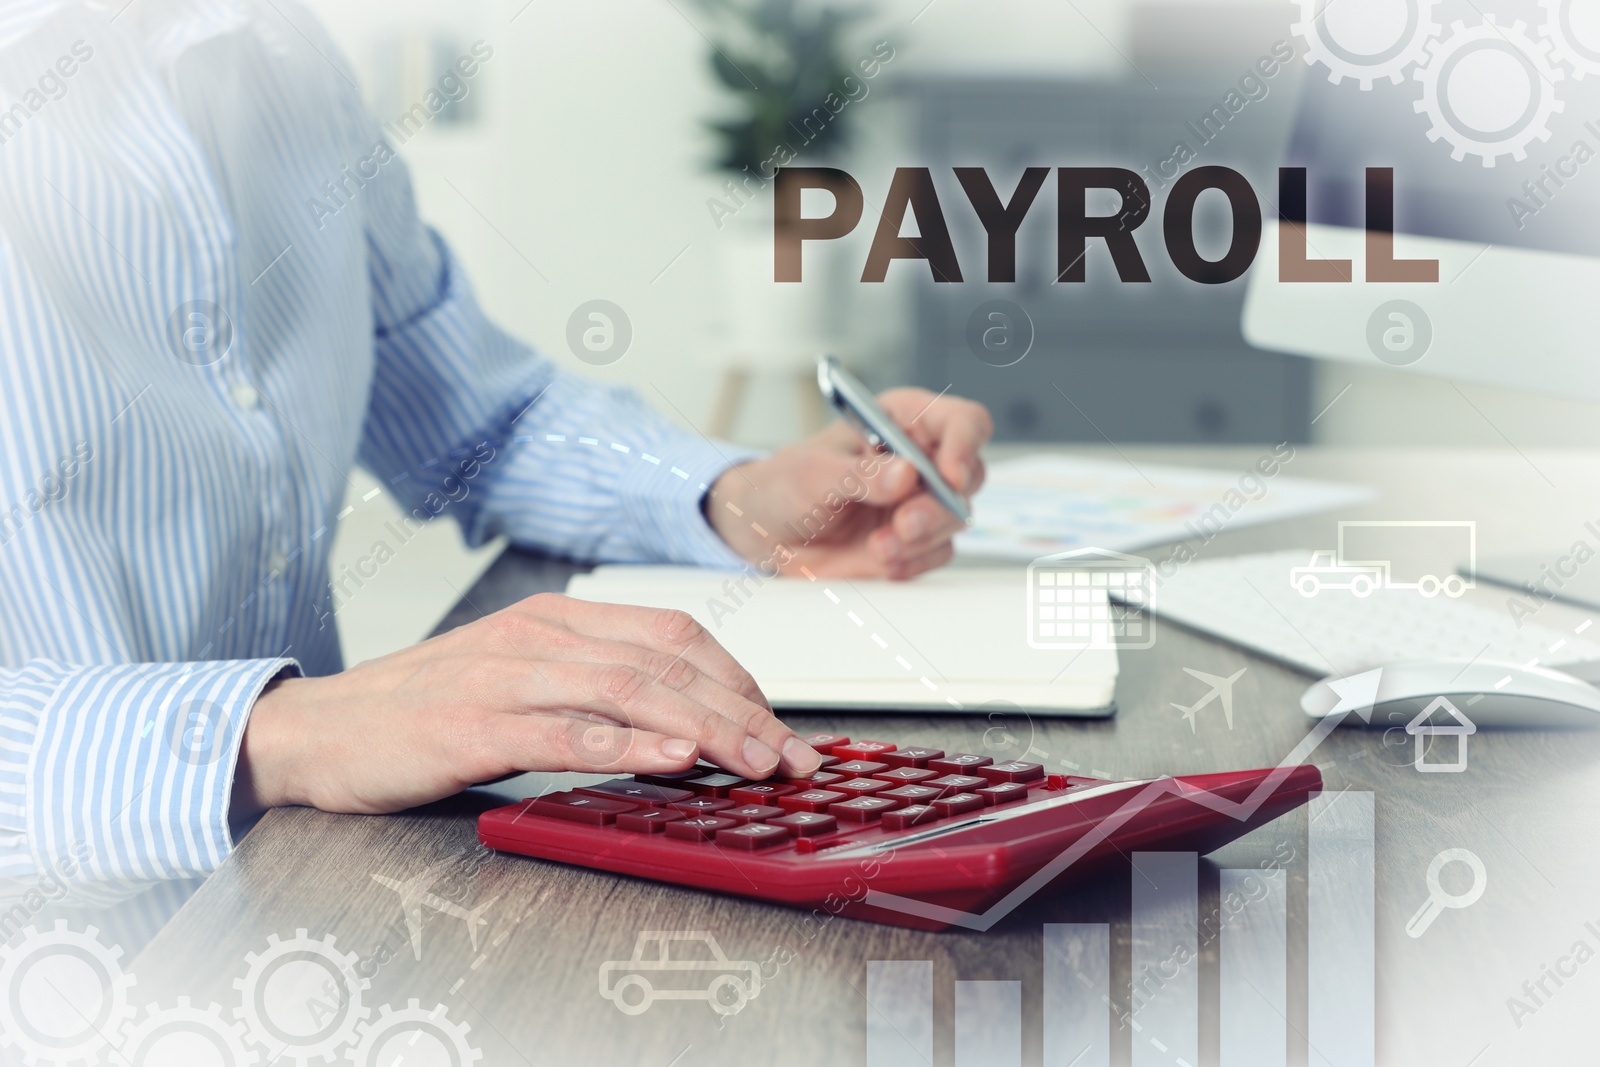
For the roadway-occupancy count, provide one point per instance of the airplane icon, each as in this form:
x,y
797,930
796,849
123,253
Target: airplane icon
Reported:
x,y
415,895
1221,688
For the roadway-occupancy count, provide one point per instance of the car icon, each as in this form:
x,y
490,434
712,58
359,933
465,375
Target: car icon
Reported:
x,y
1325,572
679,966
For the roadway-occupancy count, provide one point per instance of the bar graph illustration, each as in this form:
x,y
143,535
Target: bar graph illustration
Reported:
x,y
1163,1004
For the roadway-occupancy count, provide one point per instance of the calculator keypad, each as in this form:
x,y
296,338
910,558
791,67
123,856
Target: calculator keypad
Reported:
x,y
865,785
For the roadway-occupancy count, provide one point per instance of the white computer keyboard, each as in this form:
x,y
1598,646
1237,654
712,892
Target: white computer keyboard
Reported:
x,y
1247,601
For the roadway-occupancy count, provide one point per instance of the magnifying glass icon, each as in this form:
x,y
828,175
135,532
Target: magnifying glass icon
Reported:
x,y
1438,899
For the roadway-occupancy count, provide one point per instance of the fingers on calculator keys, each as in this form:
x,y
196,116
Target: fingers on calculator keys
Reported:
x,y
750,813
698,827
911,756
761,792
652,821
715,785
577,807
914,794
959,804
701,805
1011,771
860,787
864,809
826,743
636,792
806,823
959,763
675,778
1003,792
810,800
862,750
752,836
956,783
858,768
907,775
907,817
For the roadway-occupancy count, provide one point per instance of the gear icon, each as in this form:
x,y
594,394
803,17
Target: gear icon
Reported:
x,y
1391,63
381,1039
1580,51
301,998
63,995
1479,70
171,1036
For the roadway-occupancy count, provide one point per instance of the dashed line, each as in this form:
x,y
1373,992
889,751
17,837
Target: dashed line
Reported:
x,y
831,595
1159,1046
756,526
320,531
459,983
588,440
954,703
345,514
615,447
902,661
555,437
1502,683
880,642
1584,625
1532,663
807,572
853,617
731,506
681,473
648,458
1558,645
479,961
931,687
1099,773
374,491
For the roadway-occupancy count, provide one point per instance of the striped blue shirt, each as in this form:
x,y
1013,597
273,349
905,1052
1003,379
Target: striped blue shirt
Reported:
x,y
195,351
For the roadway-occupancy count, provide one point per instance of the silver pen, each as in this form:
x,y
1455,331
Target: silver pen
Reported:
x,y
859,408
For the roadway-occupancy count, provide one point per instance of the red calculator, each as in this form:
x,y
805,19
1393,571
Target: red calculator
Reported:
x,y
910,835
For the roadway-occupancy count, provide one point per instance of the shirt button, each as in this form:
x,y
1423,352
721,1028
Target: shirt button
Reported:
x,y
245,396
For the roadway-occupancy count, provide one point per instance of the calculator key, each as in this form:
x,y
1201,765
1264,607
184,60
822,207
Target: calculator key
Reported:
x,y
753,836
911,756
676,777
698,827
959,763
750,813
956,783
1003,792
1011,771
864,809
575,807
825,743
858,768
761,792
810,800
915,794
907,775
819,780
701,805
650,821
959,804
636,792
806,823
715,785
863,750
860,787
914,815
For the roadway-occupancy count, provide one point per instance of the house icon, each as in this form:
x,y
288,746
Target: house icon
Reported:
x,y
1422,728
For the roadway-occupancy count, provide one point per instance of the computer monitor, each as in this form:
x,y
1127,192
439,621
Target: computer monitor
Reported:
x,y
1515,303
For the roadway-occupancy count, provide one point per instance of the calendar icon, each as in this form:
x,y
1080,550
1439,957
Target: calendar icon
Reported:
x,y
1090,598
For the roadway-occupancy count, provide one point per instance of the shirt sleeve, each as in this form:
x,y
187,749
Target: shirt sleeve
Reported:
x,y
505,442
116,777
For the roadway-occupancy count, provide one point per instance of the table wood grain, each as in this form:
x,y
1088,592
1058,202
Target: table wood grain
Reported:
x,y
1528,806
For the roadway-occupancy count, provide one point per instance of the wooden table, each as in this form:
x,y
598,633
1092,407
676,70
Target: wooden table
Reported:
x,y
1529,806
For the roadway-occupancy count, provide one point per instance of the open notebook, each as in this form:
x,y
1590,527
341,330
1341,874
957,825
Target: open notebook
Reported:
x,y
954,640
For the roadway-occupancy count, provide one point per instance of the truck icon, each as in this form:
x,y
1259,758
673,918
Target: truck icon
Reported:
x,y
1354,565
679,966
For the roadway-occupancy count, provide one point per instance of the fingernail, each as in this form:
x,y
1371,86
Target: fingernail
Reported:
x,y
759,755
677,748
801,756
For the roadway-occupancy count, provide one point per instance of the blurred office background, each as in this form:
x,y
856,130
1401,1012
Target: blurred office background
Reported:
x,y
579,166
